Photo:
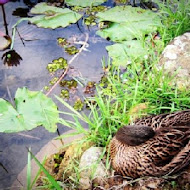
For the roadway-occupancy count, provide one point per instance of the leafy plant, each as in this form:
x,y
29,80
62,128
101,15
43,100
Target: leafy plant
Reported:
x,y
84,3
129,26
128,23
53,17
49,177
31,110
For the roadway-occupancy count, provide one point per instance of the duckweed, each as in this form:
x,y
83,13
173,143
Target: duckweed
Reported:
x,y
64,94
78,105
56,64
69,83
71,50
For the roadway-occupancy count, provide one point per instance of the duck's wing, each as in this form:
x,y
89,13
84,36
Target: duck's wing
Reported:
x,y
164,120
170,149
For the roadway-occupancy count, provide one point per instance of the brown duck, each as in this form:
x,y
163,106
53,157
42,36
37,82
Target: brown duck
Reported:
x,y
153,146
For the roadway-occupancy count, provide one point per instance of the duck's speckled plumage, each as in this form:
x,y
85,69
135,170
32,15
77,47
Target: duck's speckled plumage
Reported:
x,y
165,152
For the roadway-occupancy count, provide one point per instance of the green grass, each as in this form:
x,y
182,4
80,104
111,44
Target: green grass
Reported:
x,y
175,17
114,103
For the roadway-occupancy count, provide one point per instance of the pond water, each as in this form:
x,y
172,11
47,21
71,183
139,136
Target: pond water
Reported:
x,y
39,50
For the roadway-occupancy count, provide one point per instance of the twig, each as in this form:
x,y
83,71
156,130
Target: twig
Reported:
x,y
4,19
66,70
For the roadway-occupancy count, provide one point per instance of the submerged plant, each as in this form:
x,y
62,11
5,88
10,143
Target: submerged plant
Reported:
x,y
78,105
64,93
53,80
69,83
56,64
90,20
63,42
71,50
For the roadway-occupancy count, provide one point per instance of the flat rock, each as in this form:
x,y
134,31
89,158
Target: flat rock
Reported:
x,y
91,166
175,59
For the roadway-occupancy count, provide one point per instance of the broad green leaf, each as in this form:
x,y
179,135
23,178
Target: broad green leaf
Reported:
x,y
84,3
53,17
32,109
128,23
124,53
127,14
118,32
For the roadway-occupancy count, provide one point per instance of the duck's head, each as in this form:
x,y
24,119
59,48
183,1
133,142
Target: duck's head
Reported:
x,y
134,135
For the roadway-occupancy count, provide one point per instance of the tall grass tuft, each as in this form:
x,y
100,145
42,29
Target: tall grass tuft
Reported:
x,y
175,16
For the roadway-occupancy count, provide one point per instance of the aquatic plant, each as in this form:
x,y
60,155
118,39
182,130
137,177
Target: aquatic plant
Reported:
x,y
69,83
57,64
71,50
64,94
84,3
31,110
78,105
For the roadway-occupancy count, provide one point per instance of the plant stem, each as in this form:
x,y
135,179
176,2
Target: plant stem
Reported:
x,y
4,19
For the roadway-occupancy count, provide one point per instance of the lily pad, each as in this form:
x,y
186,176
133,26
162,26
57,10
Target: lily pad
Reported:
x,y
127,14
124,53
118,32
128,23
84,3
32,109
53,17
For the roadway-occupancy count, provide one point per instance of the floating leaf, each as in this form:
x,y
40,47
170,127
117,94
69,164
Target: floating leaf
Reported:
x,y
84,3
32,109
127,14
53,17
124,53
118,32
128,23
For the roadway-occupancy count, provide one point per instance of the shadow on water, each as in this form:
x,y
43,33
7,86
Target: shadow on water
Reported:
x,y
40,48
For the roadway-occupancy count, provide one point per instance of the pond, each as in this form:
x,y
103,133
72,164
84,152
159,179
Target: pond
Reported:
x,y
40,48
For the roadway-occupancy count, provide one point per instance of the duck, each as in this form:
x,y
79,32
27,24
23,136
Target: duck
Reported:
x,y
155,146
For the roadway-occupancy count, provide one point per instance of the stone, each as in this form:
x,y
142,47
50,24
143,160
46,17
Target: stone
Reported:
x,y
175,59
91,166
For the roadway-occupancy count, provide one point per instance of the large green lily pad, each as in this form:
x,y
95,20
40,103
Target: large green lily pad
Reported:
x,y
84,3
128,23
127,14
118,32
125,52
53,17
32,109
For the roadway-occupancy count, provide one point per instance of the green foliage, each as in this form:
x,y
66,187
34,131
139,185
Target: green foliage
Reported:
x,y
78,105
49,177
84,3
126,24
124,98
119,32
53,17
32,109
124,53
175,18
57,64
129,14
